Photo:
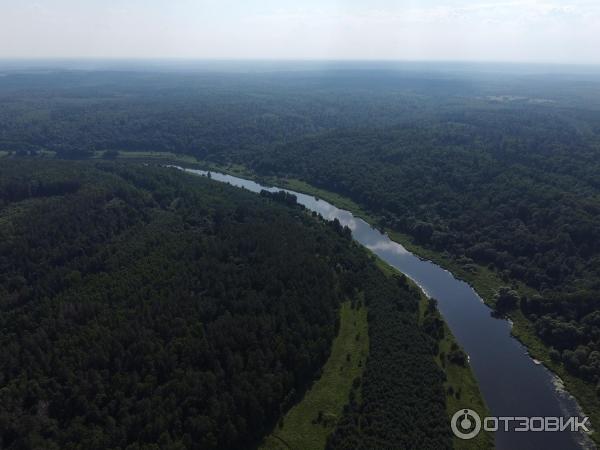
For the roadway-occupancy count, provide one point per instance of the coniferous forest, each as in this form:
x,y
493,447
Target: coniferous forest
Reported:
x,y
144,308
140,307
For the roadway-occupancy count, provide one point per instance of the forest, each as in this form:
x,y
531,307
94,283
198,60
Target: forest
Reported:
x,y
380,418
525,203
144,308
492,167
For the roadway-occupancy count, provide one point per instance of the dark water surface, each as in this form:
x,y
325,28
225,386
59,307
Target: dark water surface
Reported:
x,y
510,381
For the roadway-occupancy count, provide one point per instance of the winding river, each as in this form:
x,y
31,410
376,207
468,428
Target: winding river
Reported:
x,y
512,384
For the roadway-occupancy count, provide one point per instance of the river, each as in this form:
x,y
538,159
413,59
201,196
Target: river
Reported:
x,y
512,384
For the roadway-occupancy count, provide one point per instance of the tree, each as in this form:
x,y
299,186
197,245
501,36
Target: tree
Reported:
x,y
506,299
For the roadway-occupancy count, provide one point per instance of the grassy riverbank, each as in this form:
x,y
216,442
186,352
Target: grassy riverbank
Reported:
x,y
462,390
486,282
307,425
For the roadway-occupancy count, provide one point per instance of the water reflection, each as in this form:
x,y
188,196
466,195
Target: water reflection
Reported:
x,y
383,246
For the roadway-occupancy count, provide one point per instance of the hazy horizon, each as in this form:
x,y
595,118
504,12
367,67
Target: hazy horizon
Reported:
x,y
255,65
506,31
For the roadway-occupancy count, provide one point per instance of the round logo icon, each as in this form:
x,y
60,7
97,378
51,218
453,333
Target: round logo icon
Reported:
x,y
466,424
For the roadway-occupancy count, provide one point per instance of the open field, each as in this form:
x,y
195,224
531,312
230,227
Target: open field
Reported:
x,y
300,428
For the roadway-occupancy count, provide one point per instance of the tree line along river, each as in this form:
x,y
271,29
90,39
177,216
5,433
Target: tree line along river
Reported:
x,y
512,384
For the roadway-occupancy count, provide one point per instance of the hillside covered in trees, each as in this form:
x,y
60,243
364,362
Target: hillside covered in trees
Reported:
x,y
489,166
144,308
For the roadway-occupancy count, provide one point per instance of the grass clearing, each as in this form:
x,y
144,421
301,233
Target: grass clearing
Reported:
x,y
462,391
292,184
329,394
334,199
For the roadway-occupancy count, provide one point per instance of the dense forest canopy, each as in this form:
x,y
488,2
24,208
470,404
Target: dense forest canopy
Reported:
x,y
141,307
491,166
212,113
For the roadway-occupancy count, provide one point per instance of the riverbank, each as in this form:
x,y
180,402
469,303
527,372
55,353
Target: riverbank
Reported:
x,y
484,281
462,389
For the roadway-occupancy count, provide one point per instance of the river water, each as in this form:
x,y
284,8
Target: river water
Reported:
x,y
512,384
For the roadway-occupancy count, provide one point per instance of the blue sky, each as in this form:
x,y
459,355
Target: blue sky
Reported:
x,y
486,30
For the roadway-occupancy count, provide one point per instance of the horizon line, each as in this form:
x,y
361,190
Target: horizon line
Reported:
x,y
288,60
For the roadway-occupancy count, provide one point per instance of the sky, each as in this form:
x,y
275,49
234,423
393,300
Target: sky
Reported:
x,y
537,31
